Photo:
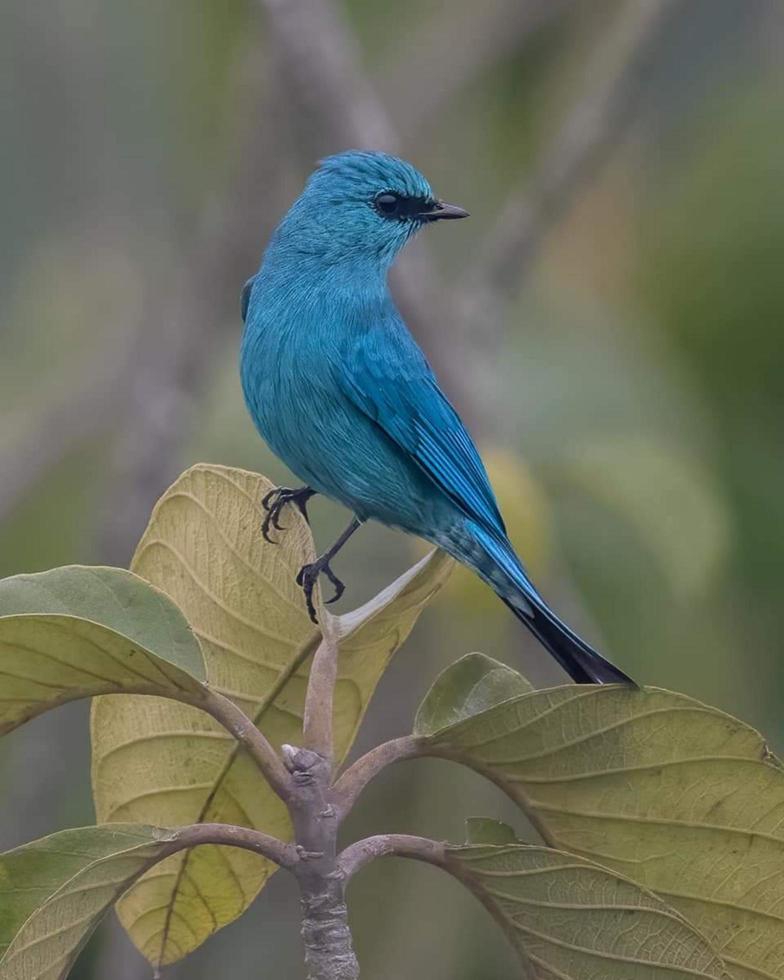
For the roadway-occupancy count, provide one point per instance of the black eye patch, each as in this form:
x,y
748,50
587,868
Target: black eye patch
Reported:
x,y
392,205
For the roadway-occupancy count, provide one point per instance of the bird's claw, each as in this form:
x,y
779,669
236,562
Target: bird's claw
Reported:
x,y
308,576
275,500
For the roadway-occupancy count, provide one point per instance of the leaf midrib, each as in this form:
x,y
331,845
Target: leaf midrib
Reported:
x,y
579,738
306,649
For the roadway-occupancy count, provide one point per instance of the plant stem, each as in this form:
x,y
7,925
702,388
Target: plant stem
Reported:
x,y
362,852
317,721
284,855
329,954
237,723
354,780
303,781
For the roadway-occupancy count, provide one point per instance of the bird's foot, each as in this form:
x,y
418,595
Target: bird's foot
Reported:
x,y
308,576
274,502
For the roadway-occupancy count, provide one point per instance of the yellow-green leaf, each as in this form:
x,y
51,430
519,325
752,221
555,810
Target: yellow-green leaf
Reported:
x,y
684,799
54,891
471,684
570,919
485,830
164,763
73,632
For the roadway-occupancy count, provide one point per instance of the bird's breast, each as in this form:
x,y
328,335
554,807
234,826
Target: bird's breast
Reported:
x,y
286,379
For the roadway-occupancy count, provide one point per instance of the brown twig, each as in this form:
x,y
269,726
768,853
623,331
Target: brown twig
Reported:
x,y
237,723
284,855
362,852
329,954
317,719
353,781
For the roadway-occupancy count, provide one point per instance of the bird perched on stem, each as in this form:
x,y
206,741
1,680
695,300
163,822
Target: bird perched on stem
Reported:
x,y
340,390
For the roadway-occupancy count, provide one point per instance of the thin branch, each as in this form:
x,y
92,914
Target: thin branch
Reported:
x,y
154,381
185,329
322,60
353,781
284,855
237,723
329,953
362,852
615,80
319,699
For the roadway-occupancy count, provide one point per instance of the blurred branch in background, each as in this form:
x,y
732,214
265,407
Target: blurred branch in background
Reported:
x,y
179,342
604,107
496,31
155,386
321,58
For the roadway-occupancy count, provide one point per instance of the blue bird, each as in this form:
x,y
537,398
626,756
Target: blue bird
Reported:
x,y
339,389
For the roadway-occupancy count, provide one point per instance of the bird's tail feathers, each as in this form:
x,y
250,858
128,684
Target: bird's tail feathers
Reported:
x,y
507,577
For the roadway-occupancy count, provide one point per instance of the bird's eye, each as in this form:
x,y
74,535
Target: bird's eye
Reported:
x,y
388,204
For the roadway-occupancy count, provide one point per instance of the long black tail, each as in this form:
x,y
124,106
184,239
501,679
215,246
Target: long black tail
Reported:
x,y
500,567
580,661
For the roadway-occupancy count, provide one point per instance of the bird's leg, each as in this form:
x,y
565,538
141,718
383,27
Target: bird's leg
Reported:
x,y
308,574
274,502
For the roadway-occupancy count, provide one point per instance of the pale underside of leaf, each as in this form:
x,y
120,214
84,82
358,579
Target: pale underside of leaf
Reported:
x,y
680,797
165,763
571,919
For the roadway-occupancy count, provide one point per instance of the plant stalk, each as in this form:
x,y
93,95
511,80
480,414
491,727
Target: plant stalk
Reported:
x,y
319,699
237,723
329,953
353,781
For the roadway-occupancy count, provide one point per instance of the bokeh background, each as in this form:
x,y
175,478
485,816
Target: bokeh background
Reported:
x,y
609,322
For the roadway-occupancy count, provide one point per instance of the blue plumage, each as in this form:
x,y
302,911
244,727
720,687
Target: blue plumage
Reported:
x,y
342,393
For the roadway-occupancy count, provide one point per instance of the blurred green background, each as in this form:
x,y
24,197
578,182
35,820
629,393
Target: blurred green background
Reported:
x,y
626,390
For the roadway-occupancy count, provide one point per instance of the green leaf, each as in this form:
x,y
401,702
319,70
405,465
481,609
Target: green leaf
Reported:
x,y
570,919
54,891
484,830
74,632
470,685
684,799
164,763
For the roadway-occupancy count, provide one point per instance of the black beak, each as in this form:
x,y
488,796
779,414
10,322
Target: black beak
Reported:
x,y
442,211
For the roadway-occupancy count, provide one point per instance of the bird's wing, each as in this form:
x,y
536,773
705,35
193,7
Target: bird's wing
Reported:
x,y
392,383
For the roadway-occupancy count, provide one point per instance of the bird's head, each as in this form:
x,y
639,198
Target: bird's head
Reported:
x,y
362,204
